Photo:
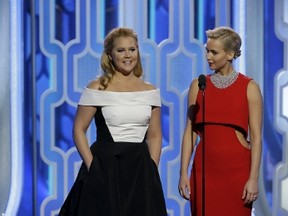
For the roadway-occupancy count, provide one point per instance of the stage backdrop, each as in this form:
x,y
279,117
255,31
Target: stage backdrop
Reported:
x,y
62,42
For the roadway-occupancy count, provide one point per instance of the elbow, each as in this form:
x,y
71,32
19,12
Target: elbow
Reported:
x,y
78,132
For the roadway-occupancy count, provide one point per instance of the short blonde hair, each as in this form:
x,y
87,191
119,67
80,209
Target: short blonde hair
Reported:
x,y
107,64
230,39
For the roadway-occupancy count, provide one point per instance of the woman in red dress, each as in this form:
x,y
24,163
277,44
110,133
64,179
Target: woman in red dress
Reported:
x,y
232,130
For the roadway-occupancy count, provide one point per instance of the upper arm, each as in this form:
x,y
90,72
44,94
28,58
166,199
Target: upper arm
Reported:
x,y
85,114
83,118
192,96
189,134
255,109
154,128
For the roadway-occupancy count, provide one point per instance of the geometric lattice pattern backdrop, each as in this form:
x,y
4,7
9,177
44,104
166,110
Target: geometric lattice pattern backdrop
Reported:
x,y
63,42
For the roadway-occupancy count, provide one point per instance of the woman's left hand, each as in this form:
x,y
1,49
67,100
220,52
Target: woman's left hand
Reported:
x,y
250,192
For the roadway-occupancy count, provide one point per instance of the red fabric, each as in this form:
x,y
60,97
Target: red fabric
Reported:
x,y
227,161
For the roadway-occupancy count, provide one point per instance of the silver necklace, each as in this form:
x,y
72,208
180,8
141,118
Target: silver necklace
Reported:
x,y
221,82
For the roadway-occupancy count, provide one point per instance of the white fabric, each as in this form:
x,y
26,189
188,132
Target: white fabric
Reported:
x,y
127,114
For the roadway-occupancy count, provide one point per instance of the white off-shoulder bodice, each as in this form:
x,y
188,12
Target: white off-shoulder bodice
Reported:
x,y
127,114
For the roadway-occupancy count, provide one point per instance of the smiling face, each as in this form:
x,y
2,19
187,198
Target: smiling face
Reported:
x,y
124,55
217,58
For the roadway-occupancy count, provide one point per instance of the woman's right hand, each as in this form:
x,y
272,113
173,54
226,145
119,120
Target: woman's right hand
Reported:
x,y
184,186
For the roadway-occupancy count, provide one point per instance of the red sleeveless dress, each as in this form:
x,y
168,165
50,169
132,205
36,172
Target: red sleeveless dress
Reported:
x,y
227,161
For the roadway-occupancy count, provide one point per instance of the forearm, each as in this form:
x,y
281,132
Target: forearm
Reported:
x,y
83,148
154,135
186,152
185,159
256,151
155,148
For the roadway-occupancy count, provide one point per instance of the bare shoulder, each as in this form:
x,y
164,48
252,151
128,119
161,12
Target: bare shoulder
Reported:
x,y
193,91
94,84
149,86
194,86
252,83
253,87
253,90
194,83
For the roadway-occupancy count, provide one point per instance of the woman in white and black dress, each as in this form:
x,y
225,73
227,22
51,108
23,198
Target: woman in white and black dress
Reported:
x,y
119,175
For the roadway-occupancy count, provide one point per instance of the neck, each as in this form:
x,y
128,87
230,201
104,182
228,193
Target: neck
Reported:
x,y
225,72
124,77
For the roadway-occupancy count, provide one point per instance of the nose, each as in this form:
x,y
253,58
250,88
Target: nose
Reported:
x,y
208,56
127,54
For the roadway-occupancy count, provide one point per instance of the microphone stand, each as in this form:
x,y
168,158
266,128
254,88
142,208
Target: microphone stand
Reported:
x,y
202,86
203,151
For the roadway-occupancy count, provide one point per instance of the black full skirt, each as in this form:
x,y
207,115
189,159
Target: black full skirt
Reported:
x,y
123,180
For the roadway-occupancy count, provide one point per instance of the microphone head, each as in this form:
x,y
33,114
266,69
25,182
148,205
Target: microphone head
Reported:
x,y
202,82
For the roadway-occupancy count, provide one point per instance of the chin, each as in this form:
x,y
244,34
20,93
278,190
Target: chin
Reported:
x,y
212,68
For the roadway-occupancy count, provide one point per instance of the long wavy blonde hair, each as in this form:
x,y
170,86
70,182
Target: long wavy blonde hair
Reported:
x,y
107,65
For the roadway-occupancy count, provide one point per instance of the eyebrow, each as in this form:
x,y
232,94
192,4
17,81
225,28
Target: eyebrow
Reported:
x,y
121,47
212,50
